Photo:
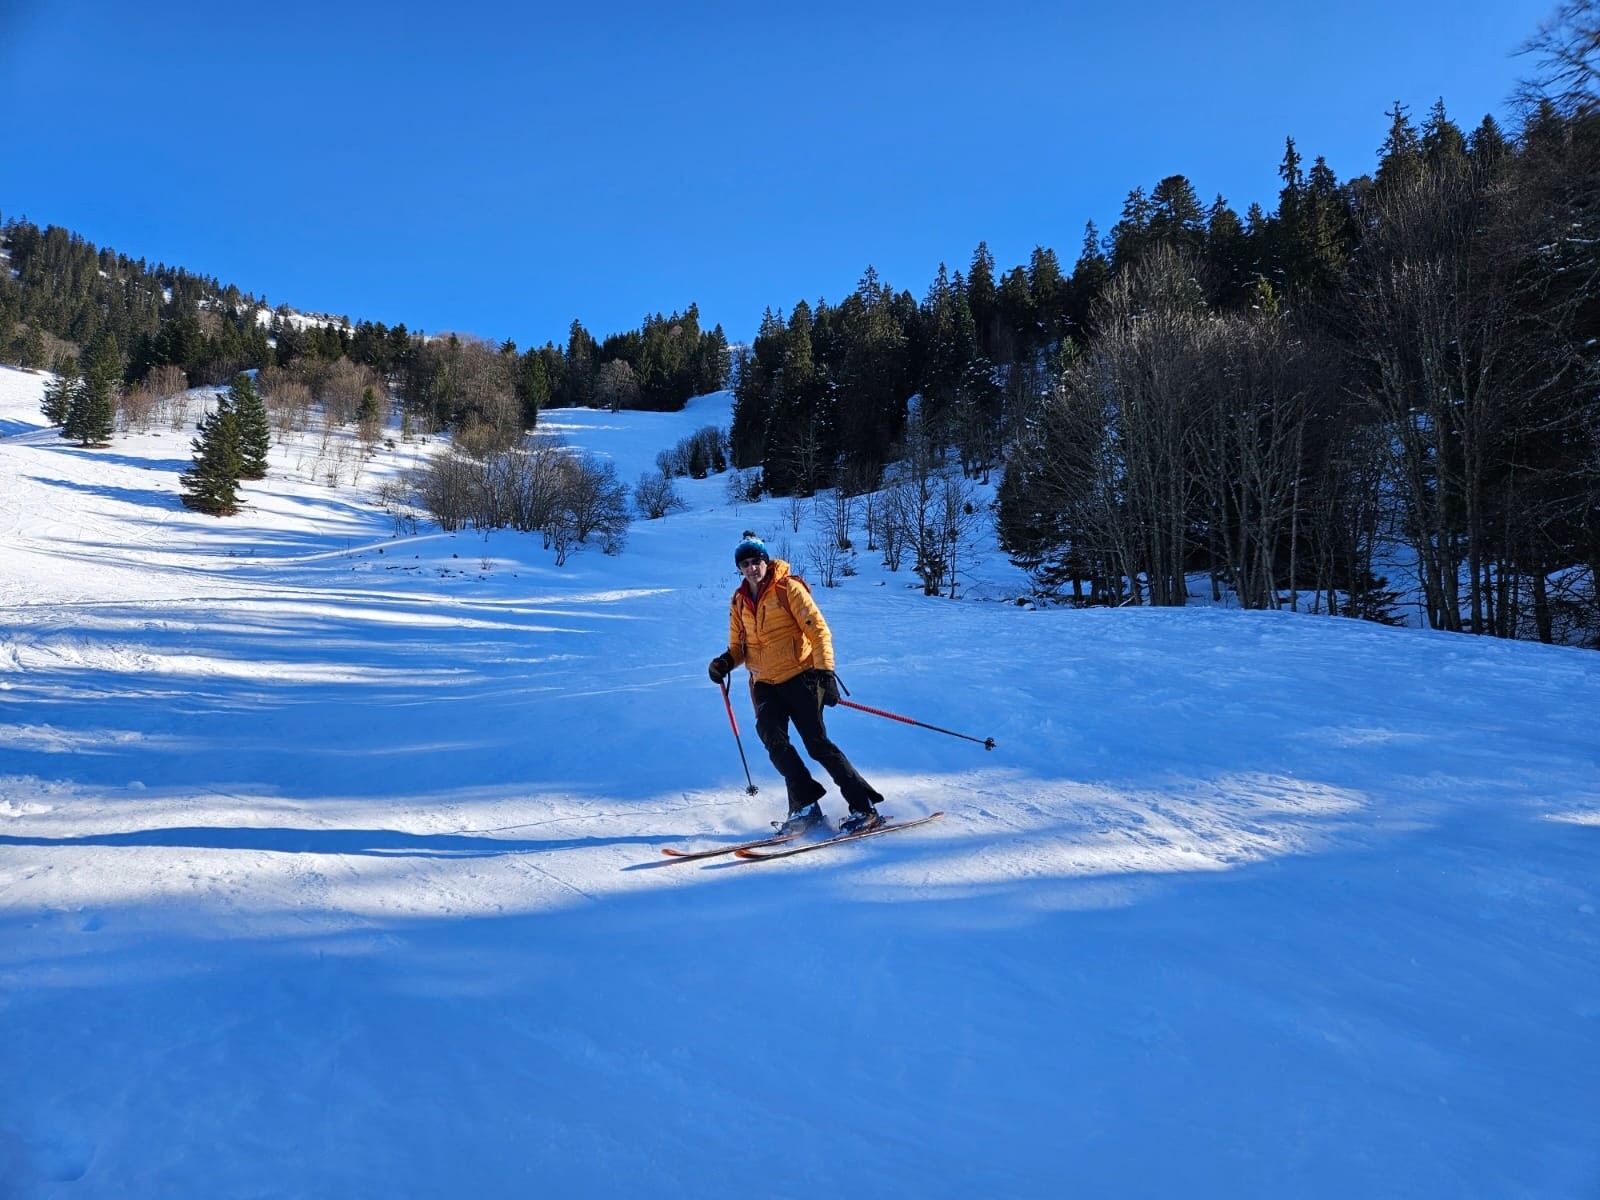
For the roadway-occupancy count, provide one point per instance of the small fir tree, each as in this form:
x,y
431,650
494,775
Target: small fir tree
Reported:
x,y
59,391
255,431
92,413
211,485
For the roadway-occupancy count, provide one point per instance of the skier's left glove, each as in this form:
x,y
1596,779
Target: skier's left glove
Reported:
x,y
721,667
827,685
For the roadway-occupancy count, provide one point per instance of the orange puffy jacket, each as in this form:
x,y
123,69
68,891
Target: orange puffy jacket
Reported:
x,y
781,632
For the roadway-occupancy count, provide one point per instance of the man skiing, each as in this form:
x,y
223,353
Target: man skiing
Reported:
x,y
776,630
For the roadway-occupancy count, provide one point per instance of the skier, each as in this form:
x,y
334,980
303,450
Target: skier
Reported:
x,y
776,629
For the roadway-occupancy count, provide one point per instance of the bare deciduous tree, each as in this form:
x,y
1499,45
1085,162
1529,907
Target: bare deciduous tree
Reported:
x,y
616,386
593,500
288,401
827,560
894,514
839,511
139,406
1566,59
655,496
1438,339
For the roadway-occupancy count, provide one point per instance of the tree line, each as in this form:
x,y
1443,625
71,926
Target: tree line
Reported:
x,y
63,297
124,338
1398,367
1409,376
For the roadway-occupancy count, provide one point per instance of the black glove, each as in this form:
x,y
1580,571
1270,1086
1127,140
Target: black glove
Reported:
x,y
721,667
827,685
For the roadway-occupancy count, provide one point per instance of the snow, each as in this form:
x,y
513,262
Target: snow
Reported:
x,y
298,320
329,866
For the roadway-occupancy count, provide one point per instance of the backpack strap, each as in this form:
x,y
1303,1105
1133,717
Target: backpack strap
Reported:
x,y
782,588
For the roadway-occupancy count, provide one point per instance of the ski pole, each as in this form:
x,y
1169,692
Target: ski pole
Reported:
x,y
752,789
986,743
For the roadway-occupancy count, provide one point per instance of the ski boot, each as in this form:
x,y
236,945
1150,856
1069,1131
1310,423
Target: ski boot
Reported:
x,y
859,821
800,820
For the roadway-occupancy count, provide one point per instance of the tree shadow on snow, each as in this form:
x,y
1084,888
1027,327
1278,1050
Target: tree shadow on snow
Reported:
x,y
144,497
380,843
172,466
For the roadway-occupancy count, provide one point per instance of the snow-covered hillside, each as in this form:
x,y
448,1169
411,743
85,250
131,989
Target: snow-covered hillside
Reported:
x,y
330,866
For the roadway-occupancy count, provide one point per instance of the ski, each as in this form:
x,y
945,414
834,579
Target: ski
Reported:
x,y
776,839
755,854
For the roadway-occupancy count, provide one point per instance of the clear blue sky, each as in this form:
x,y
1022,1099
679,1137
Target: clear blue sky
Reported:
x,y
501,168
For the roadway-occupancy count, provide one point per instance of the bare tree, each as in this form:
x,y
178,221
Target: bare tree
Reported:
x,y
1566,57
951,533
139,405
339,387
1104,482
593,499
827,559
399,496
742,487
1151,334
840,512
449,490
533,481
655,496
166,380
288,401
616,386
1259,383
794,509
894,515
1438,343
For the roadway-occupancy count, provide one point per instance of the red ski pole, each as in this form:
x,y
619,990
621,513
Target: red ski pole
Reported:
x,y
752,789
986,743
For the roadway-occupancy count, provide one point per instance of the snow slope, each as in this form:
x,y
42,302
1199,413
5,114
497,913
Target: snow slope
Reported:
x,y
329,866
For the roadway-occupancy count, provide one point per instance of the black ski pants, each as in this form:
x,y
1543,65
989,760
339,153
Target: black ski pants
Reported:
x,y
799,701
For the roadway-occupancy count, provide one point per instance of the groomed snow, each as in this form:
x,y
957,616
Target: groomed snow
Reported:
x,y
330,866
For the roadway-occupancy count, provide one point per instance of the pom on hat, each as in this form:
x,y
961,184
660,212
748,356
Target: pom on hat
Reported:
x,y
750,547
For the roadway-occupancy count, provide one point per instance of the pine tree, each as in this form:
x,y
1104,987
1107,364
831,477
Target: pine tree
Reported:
x,y
1313,236
1442,142
950,338
92,414
798,442
1400,158
1130,236
983,296
211,485
59,391
1176,215
583,355
1015,316
1049,290
30,351
711,362
1227,252
1090,274
871,379
1489,149
532,386
255,433
755,393
1330,226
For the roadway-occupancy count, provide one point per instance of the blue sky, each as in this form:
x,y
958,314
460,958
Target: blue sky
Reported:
x,y
500,169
